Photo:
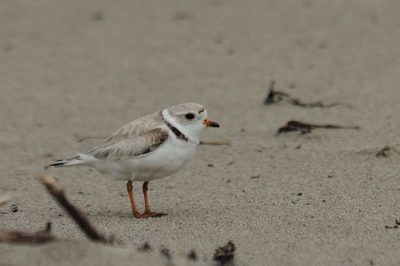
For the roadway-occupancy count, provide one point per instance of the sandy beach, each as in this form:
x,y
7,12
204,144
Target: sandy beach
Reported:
x,y
82,69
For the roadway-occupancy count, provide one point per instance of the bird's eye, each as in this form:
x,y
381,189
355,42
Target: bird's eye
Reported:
x,y
189,116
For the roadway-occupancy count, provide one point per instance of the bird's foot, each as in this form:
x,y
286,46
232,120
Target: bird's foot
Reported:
x,y
154,214
148,214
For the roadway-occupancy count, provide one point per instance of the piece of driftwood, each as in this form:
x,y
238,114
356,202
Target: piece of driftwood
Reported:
x,y
54,188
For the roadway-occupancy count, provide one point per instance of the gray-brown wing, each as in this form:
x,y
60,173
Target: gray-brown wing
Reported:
x,y
136,128
127,147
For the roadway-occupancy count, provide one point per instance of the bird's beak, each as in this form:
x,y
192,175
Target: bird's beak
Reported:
x,y
210,123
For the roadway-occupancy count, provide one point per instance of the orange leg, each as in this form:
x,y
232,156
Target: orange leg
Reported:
x,y
146,201
147,211
134,210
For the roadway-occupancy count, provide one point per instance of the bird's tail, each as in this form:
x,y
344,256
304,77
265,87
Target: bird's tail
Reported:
x,y
80,159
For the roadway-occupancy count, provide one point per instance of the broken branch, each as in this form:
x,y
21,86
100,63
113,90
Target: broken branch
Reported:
x,y
54,188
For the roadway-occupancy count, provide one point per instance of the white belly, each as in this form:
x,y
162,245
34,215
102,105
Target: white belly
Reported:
x,y
168,159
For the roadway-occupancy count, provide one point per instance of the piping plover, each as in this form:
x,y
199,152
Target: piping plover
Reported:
x,y
148,148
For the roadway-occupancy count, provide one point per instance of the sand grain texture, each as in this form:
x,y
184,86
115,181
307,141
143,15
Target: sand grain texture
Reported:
x,y
86,68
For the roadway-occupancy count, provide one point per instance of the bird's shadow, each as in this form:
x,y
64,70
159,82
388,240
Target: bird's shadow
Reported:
x,y
120,214
111,214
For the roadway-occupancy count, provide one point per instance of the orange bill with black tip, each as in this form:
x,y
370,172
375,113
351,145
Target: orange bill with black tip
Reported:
x,y
210,123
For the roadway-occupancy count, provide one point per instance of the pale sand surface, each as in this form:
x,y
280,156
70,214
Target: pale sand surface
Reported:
x,y
64,75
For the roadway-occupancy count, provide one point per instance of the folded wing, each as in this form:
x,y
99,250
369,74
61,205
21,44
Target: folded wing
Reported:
x,y
137,138
126,148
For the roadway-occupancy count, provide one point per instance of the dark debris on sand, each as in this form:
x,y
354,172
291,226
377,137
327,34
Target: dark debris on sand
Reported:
x,y
145,247
305,128
224,255
277,96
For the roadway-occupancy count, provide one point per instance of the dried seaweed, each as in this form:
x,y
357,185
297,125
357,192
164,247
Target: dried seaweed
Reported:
x,y
304,128
277,96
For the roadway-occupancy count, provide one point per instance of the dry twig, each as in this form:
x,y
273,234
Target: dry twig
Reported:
x,y
57,192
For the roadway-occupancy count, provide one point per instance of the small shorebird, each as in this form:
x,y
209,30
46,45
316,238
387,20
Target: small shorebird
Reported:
x,y
148,148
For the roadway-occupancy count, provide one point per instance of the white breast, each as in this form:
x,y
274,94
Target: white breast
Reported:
x,y
166,160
